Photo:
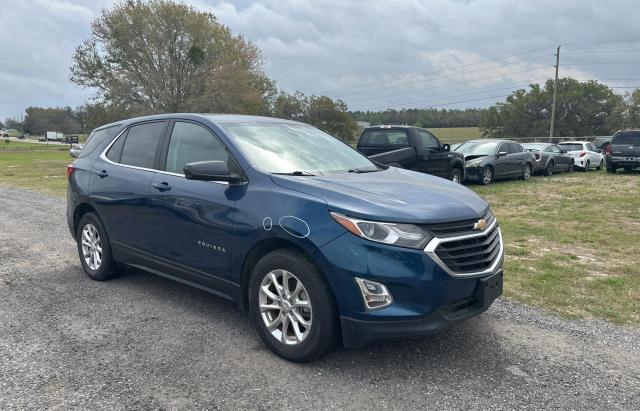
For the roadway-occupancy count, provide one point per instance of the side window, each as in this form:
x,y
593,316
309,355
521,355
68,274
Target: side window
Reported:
x,y
95,139
549,149
384,138
190,143
592,147
516,148
504,147
427,140
556,149
115,151
141,143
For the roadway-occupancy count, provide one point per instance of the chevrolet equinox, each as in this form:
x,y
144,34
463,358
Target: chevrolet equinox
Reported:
x,y
315,241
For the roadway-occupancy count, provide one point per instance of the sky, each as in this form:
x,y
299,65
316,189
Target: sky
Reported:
x,y
371,54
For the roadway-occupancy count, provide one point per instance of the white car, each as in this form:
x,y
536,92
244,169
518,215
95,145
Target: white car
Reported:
x,y
585,154
75,150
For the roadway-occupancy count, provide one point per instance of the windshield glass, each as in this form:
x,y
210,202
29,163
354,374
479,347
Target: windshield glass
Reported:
x,y
479,148
533,146
570,147
628,137
291,148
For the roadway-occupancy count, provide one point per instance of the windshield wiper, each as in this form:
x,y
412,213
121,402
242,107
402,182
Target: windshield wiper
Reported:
x,y
297,173
360,171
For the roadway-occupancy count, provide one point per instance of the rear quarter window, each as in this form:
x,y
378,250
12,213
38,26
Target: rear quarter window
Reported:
x,y
96,138
630,137
384,138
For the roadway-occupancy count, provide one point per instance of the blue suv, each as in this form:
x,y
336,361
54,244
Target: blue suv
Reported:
x,y
317,242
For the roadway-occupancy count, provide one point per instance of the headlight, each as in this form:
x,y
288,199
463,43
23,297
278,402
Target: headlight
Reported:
x,y
473,163
403,235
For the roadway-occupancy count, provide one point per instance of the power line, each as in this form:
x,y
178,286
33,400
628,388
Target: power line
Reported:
x,y
446,97
432,72
603,63
601,51
445,85
602,42
343,95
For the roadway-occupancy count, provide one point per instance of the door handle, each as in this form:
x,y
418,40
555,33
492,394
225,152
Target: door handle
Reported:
x,y
164,186
102,173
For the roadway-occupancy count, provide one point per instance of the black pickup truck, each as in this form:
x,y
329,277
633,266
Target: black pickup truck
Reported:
x,y
412,148
624,151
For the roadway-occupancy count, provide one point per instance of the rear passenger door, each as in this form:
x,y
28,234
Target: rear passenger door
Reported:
x,y
120,187
192,219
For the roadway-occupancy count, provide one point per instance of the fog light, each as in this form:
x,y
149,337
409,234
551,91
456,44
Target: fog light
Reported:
x,y
375,295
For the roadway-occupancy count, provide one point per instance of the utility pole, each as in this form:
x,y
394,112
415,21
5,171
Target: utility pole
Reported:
x,y
555,92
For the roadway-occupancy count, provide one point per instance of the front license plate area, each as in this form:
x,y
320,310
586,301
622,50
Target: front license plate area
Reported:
x,y
490,288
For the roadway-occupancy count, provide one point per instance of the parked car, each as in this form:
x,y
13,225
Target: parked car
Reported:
x,y
489,159
549,158
313,239
70,139
412,148
75,150
624,151
585,154
602,143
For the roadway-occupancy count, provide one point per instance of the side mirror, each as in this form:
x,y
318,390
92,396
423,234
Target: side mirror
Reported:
x,y
211,171
599,150
502,154
446,147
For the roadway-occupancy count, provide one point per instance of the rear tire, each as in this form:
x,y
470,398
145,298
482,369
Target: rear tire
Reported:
x,y
600,165
94,249
456,175
526,173
611,170
270,303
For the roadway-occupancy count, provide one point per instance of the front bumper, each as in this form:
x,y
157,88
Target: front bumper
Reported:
x,y
427,297
359,333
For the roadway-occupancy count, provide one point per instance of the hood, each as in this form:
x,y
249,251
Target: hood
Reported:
x,y
473,156
393,195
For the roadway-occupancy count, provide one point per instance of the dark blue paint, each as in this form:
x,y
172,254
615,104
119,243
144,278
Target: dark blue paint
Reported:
x,y
202,232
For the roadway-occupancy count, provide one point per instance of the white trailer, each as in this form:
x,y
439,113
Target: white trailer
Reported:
x,y
53,136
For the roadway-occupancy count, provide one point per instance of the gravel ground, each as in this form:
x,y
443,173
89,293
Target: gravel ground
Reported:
x,y
144,342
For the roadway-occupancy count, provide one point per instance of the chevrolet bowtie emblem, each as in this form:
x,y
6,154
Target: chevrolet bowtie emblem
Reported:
x,y
480,225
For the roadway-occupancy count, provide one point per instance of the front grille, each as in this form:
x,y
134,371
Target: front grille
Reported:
x,y
455,228
471,255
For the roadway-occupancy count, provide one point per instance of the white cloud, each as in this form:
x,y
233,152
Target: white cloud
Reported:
x,y
337,46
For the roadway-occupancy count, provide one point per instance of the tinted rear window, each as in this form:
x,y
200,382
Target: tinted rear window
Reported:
x,y
141,145
385,138
571,147
629,137
95,138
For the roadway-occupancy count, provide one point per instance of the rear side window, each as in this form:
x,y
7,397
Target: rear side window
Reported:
x,y
141,144
627,137
515,148
571,147
190,143
385,138
95,138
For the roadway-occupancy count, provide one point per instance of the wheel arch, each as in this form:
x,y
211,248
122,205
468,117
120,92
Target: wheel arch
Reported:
x,y
258,251
80,210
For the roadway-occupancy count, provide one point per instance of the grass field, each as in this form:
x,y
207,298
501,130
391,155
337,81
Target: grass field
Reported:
x,y
14,145
452,135
572,240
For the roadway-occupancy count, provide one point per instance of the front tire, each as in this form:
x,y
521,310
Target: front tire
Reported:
x,y
456,175
292,307
587,166
487,176
94,249
548,171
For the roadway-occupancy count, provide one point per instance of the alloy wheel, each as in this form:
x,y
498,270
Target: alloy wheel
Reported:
x,y
285,307
91,247
486,176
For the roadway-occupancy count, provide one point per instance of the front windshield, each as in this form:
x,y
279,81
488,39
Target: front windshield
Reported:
x,y
478,148
295,148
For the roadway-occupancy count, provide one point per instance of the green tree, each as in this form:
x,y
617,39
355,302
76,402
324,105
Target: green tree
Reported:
x,y
161,56
583,109
38,120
